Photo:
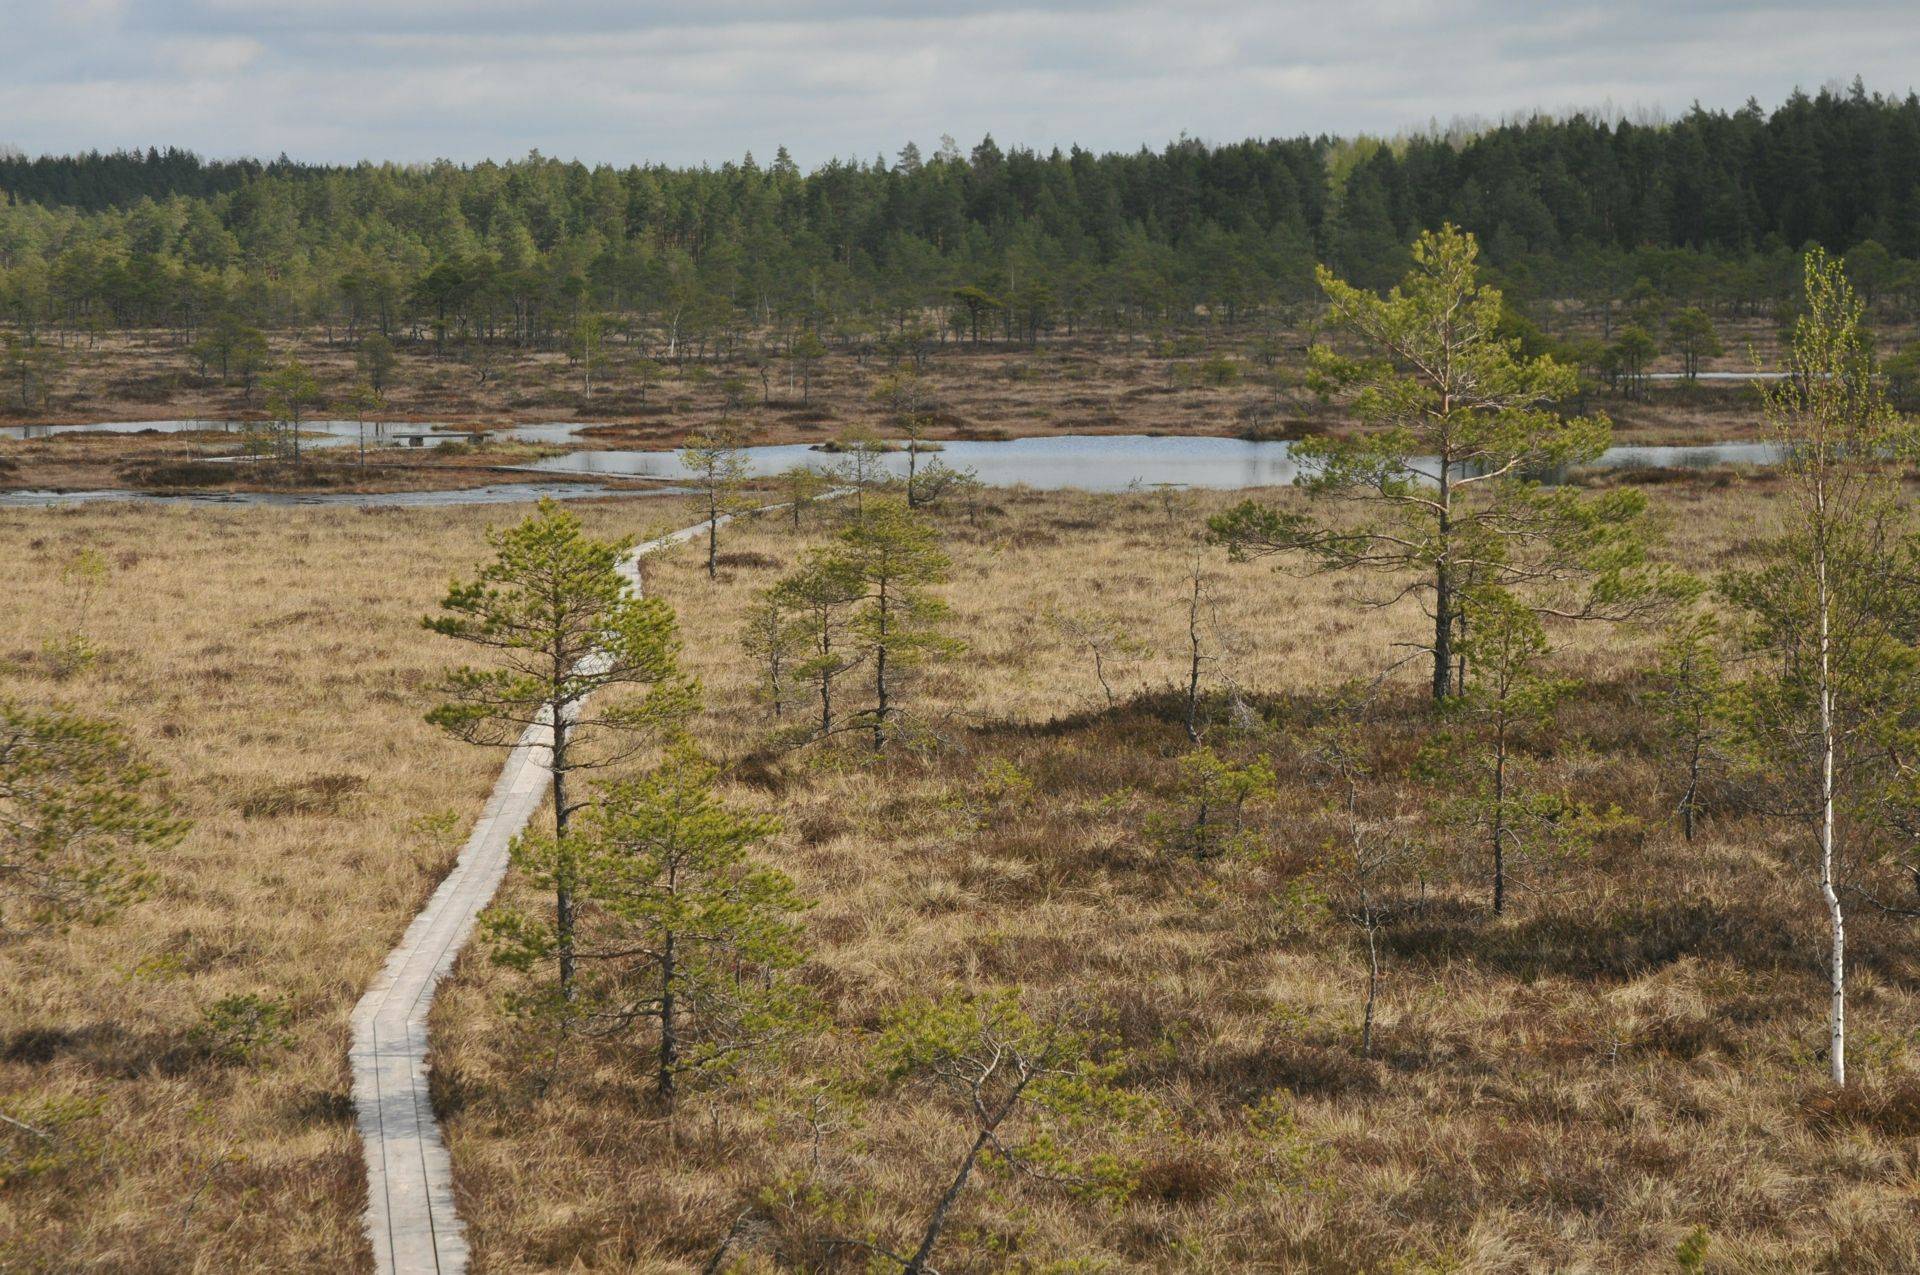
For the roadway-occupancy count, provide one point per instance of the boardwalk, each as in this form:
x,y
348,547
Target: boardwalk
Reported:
x,y
410,1218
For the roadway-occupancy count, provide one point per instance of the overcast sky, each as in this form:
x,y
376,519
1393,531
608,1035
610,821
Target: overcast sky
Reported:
x,y
691,82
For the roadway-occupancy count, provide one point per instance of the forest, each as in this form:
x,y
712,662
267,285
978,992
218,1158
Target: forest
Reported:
x,y
1711,209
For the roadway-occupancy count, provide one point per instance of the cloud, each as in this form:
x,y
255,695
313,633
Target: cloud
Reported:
x,y
620,81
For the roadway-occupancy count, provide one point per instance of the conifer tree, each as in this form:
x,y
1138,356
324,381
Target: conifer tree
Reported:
x,y
78,807
1508,704
718,461
564,629
819,596
1693,699
894,555
677,930
292,393
1456,426
1006,1071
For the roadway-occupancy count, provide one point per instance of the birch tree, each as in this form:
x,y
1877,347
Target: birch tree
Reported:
x,y
1835,606
1456,423
717,459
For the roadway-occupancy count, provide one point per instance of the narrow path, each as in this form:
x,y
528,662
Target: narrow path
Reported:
x,y
410,1218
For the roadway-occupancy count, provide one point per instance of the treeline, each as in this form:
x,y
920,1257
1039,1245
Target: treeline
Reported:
x,y
1711,210
97,181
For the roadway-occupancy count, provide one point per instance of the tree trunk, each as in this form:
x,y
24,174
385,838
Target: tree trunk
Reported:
x,y
1443,609
1499,821
1829,892
917,1264
563,882
1373,985
669,1028
826,677
713,535
880,679
1691,797
1193,667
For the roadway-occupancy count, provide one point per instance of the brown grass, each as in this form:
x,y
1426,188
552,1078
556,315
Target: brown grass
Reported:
x,y
273,660
1629,1055
1576,1087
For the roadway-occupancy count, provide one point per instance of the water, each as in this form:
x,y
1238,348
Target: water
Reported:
x,y
1090,462
323,433
497,494
1106,462
1718,376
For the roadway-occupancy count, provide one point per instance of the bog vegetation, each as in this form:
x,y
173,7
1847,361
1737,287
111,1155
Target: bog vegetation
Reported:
x,y
1425,868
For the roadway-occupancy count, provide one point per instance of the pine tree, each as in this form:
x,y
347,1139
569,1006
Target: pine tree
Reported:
x,y
78,807
819,596
1509,703
1457,423
676,926
1693,700
717,459
1004,1071
894,555
564,628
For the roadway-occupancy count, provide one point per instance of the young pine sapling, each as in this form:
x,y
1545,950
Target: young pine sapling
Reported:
x,y
1032,1091
677,928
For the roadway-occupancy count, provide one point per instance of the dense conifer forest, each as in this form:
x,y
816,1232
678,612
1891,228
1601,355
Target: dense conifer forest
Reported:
x,y
1710,209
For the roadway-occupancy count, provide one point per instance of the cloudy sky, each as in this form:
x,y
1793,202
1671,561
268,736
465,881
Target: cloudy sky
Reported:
x,y
694,81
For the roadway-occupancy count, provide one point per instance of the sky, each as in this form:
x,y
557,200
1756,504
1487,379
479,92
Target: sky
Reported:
x,y
633,81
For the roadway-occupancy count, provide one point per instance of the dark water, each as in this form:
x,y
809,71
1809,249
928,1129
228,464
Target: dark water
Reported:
x,y
1107,462
498,494
323,433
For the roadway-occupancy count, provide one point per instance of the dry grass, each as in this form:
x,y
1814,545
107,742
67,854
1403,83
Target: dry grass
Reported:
x,y
1575,1088
273,660
1627,1056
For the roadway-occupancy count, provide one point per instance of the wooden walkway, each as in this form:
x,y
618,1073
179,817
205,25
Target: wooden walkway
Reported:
x,y
410,1216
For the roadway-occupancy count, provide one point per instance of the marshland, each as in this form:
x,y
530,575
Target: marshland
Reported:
x,y
1164,746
